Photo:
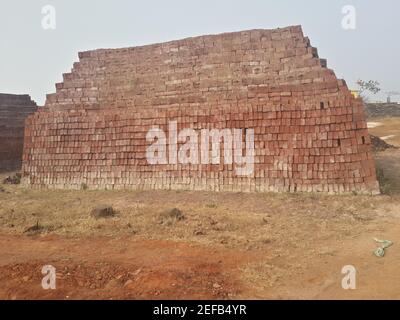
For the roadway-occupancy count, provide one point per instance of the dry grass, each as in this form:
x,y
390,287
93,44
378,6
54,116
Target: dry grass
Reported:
x,y
230,219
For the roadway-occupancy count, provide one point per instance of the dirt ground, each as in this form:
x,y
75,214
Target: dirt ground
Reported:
x,y
227,246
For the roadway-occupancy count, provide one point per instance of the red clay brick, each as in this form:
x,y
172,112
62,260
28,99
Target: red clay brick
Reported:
x,y
310,132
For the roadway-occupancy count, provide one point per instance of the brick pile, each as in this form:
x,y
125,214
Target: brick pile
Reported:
x,y
14,109
310,133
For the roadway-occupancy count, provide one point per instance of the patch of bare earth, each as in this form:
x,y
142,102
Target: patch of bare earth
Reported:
x,y
99,268
388,128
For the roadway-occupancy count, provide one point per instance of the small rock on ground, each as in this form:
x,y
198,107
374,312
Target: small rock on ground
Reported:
x,y
102,211
174,213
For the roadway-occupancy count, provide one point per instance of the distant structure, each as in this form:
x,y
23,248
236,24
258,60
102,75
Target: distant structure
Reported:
x,y
390,94
310,133
14,109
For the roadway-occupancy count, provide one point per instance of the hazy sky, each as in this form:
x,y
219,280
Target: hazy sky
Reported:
x,y
32,59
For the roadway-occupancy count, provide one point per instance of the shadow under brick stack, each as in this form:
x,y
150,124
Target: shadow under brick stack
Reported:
x,y
310,133
14,109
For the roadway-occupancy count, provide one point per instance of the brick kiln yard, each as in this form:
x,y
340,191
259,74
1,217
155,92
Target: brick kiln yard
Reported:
x,y
216,245
229,245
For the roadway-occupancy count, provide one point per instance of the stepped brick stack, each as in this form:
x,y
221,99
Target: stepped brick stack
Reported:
x,y
310,133
14,109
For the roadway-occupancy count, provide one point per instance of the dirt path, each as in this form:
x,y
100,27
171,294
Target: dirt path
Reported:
x,y
116,269
388,128
376,278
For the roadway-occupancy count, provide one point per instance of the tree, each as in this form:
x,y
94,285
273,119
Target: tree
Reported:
x,y
368,86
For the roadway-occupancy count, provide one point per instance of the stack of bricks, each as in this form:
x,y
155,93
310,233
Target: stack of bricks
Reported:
x,y
14,109
310,133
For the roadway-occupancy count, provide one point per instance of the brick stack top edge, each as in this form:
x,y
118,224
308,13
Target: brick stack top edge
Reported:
x,y
14,109
310,132
200,69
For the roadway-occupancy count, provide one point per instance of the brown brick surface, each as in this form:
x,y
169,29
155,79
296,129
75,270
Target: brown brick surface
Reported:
x,y
310,133
13,111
